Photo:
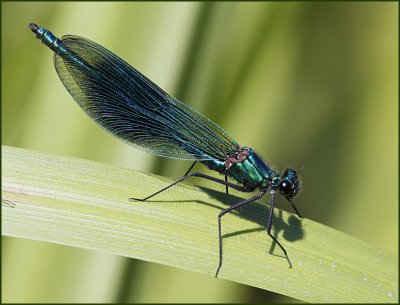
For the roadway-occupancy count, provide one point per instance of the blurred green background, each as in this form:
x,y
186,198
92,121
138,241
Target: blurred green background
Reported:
x,y
309,85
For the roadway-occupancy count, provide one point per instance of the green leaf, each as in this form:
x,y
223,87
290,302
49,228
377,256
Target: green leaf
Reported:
x,y
85,204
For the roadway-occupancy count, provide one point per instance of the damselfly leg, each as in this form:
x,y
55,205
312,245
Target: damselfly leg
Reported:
x,y
200,175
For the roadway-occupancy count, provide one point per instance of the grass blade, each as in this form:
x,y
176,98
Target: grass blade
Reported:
x,y
83,203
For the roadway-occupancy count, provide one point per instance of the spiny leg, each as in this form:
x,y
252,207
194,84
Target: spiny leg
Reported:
x,y
223,212
234,186
194,163
226,180
269,224
294,208
190,168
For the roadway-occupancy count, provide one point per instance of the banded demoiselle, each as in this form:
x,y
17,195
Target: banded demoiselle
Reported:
x,y
134,109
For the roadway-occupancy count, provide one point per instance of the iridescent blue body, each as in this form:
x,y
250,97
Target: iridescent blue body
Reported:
x,y
131,107
252,172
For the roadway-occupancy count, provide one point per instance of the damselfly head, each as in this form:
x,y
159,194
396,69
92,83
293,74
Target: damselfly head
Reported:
x,y
289,184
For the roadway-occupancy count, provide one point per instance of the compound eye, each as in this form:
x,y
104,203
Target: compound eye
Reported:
x,y
285,187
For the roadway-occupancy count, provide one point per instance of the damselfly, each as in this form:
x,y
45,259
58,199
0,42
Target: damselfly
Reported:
x,y
130,106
